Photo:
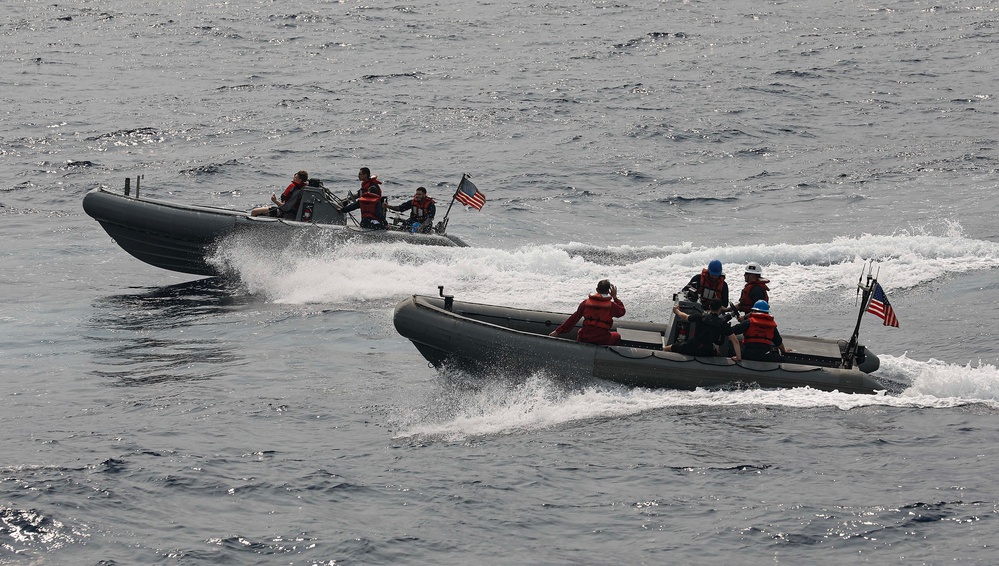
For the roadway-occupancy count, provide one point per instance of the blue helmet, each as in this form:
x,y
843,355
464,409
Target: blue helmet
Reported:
x,y
761,306
715,268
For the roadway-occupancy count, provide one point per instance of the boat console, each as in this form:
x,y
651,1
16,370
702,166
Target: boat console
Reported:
x,y
316,207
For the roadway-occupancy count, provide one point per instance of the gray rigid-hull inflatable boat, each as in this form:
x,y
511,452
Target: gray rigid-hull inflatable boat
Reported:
x,y
181,237
479,337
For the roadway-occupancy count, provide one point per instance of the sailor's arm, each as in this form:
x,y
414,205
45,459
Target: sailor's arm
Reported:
x,y
735,347
569,322
682,315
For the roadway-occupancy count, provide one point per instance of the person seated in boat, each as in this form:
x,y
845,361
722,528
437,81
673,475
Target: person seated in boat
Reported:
x,y
422,210
755,290
371,206
598,312
760,338
287,206
711,329
708,284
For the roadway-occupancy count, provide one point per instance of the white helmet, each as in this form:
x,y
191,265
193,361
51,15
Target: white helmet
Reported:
x,y
754,268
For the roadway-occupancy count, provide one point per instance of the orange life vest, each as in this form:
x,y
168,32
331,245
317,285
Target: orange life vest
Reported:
x,y
294,185
291,198
420,209
369,206
372,184
746,303
707,290
597,312
761,329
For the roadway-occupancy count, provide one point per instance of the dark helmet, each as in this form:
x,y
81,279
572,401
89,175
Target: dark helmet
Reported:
x,y
715,268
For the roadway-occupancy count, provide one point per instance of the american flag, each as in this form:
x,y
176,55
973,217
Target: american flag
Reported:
x,y
469,194
880,307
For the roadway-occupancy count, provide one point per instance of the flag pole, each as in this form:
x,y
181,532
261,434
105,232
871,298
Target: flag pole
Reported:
x,y
442,226
851,349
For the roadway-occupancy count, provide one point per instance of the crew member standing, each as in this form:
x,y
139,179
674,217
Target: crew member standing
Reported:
x,y
708,284
372,212
367,181
755,290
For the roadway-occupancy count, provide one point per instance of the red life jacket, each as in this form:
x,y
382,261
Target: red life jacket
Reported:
x,y
707,290
420,209
597,312
291,198
372,184
369,206
746,303
287,192
761,329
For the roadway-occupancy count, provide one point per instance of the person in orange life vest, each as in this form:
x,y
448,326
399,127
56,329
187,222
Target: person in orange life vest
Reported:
x,y
287,207
708,284
421,211
760,339
597,311
755,290
372,212
367,182
712,328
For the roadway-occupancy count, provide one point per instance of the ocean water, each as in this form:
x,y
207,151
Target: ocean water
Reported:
x,y
278,418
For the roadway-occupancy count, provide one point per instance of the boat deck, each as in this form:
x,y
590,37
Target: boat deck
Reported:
x,y
804,349
808,346
641,338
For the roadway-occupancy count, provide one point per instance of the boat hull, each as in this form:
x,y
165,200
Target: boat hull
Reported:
x,y
182,237
485,337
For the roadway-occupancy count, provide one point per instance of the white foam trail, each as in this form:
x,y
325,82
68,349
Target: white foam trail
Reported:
x,y
942,381
507,407
555,277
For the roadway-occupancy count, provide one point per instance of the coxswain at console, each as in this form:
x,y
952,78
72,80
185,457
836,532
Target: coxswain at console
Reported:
x,y
371,207
367,181
707,285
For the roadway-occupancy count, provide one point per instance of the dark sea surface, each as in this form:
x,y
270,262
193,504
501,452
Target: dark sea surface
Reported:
x,y
277,418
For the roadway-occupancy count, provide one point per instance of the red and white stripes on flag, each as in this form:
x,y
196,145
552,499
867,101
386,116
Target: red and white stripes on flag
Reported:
x,y
469,194
881,308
